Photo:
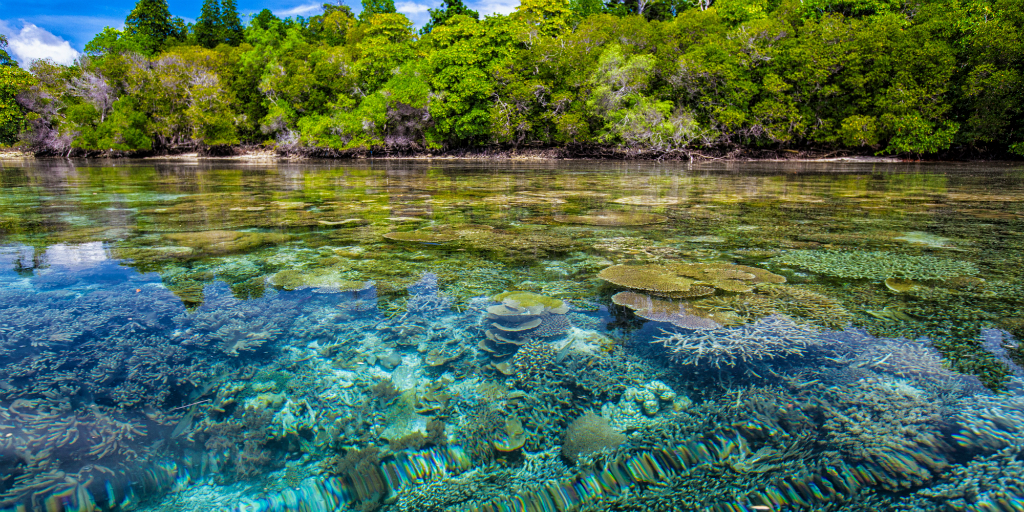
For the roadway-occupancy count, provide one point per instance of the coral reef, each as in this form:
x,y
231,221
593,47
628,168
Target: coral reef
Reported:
x,y
686,280
679,314
771,337
878,265
520,317
588,434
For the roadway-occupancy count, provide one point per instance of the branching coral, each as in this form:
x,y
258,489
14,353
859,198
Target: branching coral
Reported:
x,y
769,338
879,265
792,301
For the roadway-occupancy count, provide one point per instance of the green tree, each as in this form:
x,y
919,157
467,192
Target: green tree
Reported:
x,y
386,45
451,8
13,81
465,54
374,7
207,29
151,25
232,32
5,58
333,26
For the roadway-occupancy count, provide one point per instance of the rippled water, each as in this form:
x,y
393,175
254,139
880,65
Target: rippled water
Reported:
x,y
527,336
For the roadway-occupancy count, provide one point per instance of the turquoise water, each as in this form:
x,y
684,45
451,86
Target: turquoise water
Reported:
x,y
510,336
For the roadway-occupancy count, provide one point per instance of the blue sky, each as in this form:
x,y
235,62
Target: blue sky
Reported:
x,y
59,29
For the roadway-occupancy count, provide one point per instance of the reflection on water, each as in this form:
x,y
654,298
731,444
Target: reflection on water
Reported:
x,y
401,336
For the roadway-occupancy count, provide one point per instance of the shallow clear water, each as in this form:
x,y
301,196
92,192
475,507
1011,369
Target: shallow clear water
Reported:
x,y
598,336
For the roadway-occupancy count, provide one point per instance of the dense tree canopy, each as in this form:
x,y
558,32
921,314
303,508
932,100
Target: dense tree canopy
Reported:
x,y
906,77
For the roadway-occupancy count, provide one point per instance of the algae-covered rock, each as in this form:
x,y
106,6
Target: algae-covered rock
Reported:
x,y
612,218
347,223
212,243
647,201
333,278
424,236
149,254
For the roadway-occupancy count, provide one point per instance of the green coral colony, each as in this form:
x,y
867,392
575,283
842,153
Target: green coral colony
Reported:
x,y
421,338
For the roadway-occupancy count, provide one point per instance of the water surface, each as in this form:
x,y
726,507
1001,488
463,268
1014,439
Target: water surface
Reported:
x,y
464,336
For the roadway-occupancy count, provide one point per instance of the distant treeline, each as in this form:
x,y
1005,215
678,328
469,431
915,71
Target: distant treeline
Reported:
x,y
905,77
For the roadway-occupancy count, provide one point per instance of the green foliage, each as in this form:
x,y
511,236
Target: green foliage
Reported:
x,y
451,8
881,76
218,24
372,8
464,49
5,58
151,26
207,27
123,130
13,80
111,41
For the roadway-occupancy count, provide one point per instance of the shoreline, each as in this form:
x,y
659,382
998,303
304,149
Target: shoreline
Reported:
x,y
243,154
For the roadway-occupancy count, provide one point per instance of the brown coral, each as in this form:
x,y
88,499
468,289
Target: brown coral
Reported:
x,y
679,280
660,310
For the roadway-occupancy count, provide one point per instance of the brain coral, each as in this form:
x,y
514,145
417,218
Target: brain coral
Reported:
x,y
876,265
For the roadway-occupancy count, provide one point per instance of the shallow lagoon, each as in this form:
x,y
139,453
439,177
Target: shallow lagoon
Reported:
x,y
599,336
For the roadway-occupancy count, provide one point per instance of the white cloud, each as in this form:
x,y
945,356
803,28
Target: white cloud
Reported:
x,y
33,43
411,8
299,10
488,7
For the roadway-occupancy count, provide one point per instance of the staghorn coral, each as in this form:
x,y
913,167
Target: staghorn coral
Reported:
x,y
991,482
991,422
890,428
771,337
792,301
878,265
